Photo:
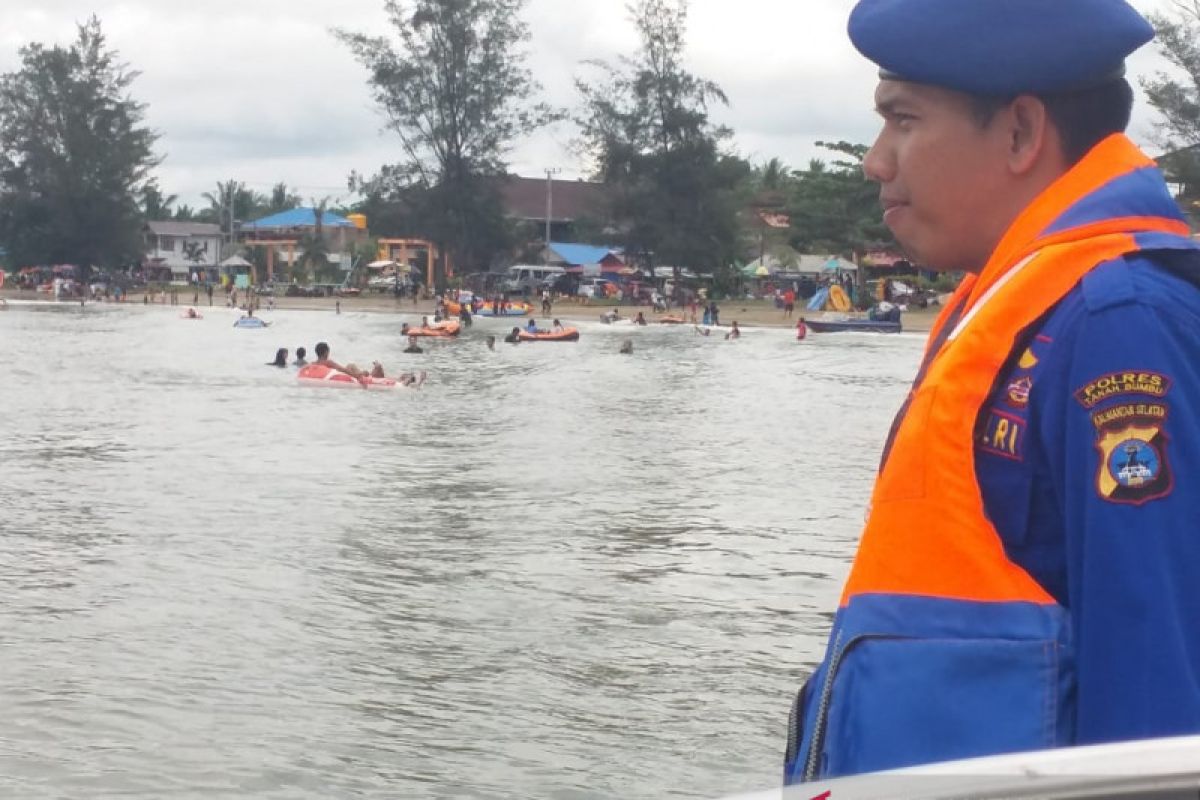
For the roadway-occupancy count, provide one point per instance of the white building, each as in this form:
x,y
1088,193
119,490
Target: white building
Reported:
x,y
183,247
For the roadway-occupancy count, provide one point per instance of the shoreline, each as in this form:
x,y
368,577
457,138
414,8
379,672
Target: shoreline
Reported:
x,y
747,313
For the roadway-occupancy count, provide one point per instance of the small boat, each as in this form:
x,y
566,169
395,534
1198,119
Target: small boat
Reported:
x,y
671,320
565,335
250,322
852,325
320,375
438,330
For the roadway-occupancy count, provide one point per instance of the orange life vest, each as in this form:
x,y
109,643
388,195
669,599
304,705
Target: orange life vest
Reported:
x,y
942,646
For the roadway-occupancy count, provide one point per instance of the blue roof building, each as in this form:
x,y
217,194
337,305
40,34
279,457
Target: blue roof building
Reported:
x,y
577,257
298,218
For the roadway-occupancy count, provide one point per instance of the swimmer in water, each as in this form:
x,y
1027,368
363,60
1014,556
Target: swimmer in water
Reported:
x,y
413,347
514,337
701,331
734,333
325,361
626,347
491,342
301,355
412,379
281,356
191,313
640,319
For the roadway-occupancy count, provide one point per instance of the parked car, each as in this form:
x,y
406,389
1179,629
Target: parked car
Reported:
x,y
594,287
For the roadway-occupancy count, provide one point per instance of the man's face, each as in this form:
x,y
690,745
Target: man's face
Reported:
x,y
942,175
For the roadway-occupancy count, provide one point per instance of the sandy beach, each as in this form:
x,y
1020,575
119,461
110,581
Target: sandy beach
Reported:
x,y
748,313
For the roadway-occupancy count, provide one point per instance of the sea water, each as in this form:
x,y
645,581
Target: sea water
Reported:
x,y
555,571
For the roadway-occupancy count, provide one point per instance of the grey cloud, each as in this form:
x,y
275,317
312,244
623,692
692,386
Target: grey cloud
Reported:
x,y
260,90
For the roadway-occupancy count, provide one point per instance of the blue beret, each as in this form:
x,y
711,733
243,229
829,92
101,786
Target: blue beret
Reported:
x,y
999,47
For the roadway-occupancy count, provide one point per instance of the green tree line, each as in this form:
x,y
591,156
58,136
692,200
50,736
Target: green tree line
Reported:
x,y
452,81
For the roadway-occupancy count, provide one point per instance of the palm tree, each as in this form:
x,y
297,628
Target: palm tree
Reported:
x,y
282,199
155,205
314,259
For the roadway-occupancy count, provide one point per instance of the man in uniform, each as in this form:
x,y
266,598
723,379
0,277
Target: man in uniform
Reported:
x,y
1027,575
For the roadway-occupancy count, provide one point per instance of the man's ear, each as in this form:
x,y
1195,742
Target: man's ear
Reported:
x,y
1031,136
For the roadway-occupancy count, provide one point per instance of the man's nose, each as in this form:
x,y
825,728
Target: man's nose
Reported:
x,y
879,164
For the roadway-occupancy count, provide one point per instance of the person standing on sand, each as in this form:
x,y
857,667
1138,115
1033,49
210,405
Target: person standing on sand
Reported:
x,y
1026,576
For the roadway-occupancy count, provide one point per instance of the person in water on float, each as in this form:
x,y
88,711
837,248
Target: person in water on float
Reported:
x,y
734,333
558,327
491,343
413,347
514,337
531,326
1027,570
301,355
281,356
325,361
801,329
377,370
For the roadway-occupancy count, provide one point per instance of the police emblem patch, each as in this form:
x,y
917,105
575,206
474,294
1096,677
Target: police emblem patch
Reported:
x,y
1018,392
1133,464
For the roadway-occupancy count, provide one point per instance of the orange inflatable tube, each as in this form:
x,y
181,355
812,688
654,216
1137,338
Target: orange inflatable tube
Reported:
x,y
565,335
438,330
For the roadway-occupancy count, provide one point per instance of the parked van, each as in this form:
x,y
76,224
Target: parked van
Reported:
x,y
526,278
594,287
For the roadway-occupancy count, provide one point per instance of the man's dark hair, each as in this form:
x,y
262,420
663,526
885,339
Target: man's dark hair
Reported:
x,y
1083,118
322,350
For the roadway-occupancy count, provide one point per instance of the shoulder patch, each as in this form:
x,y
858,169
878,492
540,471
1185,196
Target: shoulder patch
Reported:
x,y
1116,384
1133,463
1003,435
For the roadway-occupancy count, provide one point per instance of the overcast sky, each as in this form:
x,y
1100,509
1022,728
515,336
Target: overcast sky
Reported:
x,y
258,90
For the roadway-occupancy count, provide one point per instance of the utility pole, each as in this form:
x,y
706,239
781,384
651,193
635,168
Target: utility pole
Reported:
x,y
550,173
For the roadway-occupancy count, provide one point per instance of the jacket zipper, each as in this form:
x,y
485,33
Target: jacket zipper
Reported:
x,y
822,719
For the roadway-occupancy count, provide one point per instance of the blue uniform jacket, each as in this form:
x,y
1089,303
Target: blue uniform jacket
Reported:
x,y
1088,458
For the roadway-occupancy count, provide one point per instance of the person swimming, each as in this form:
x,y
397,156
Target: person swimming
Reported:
x,y
640,319
191,314
301,354
281,356
413,347
626,347
514,337
491,343
325,361
734,332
